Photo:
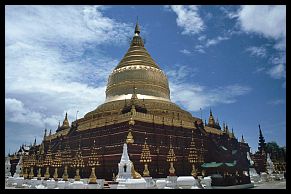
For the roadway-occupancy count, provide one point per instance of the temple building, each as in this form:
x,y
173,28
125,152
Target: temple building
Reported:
x,y
260,157
138,111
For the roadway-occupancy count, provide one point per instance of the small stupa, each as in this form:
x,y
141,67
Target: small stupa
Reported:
x,y
124,166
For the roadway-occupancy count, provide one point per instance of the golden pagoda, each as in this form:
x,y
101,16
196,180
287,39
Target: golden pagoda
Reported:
x,y
57,162
171,157
145,157
66,161
138,101
39,164
48,161
93,162
78,163
32,162
25,166
193,156
129,138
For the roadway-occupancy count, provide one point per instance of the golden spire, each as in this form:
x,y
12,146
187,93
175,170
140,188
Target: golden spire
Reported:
x,y
44,136
48,161
78,162
171,157
66,123
31,163
232,134
226,129
93,162
145,157
242,139
66,160
211,121
57,162
129,138
137,29
193,155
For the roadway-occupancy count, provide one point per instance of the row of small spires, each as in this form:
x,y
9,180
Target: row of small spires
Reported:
x,y
216,124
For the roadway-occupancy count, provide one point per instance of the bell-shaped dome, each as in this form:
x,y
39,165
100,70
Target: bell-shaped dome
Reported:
x,y
138,70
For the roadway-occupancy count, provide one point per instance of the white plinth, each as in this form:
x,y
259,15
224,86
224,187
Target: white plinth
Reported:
x,y
100,183
40,187
92,186
10,180
172,181
34,182
19,181
121,186
186,182
135,183
51,184
78,185
61,184
161,183
206,182
149,182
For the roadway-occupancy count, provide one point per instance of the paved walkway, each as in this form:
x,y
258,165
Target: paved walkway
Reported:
x,y
271,185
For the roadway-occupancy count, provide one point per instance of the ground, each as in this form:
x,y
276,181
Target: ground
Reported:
x,y
271,185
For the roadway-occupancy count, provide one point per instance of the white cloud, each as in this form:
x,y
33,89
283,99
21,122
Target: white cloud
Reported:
x,y
203,97
200,48
257,51
48,70
188,19
180,72
205,43
60,23
277,102
185,51
230,14
201,38
268,20
214,41
277,72
16,112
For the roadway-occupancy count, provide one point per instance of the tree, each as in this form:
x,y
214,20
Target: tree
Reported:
x,y
277,153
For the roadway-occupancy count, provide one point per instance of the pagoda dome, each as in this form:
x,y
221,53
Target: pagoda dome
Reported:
x,y
138,75
137,69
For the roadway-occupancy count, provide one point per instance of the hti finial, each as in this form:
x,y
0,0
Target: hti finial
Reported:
x,y
137,29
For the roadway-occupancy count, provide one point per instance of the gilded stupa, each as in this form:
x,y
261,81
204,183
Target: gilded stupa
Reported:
x,y
138,75
137,103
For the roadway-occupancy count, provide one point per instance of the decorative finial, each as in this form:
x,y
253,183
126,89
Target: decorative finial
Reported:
x,y
134,95
137,29
242,139
210,112
66,116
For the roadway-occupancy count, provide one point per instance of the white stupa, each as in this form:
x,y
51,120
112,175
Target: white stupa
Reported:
x,y
252,171
7,167
18,168
124,166
270,165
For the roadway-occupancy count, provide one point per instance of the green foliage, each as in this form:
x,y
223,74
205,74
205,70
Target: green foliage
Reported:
x,y
277,153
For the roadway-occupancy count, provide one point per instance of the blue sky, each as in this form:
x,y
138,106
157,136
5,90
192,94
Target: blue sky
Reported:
x,y
231,59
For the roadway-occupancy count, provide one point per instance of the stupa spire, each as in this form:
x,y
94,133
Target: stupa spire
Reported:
x,y
124,156
137,28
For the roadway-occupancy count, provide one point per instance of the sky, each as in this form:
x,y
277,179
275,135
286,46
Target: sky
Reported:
x,y
231,59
